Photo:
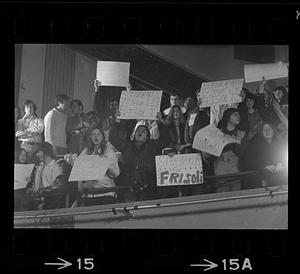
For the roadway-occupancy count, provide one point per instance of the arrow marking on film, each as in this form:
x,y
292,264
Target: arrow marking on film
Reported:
x,y
63,265
210,265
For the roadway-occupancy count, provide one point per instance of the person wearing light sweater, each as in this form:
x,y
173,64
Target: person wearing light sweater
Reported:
x,y
55,125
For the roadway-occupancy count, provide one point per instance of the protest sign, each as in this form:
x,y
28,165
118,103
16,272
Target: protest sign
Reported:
x,y
89,167
180,169
211,140
113,73
21,172
140,104
192,119
256,72
221,92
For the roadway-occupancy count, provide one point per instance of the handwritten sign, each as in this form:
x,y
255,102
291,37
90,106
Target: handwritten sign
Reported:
x,y
181,169
255,72
212,140
113,73
140,104
221,92
21,172
89,167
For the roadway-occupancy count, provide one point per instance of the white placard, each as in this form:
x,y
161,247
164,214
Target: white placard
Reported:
x,y
256,72
192,119
113,73
89,167
180,169
212,140
140,104
221,92
21,172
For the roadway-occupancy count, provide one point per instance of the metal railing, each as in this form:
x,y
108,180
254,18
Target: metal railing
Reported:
x,y
210,183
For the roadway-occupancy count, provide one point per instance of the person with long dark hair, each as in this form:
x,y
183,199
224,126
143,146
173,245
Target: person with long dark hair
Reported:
x,y
267,155
30,129
175,124
98,146
229,161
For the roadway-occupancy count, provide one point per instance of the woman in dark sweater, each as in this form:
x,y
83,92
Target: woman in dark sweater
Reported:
x,y
138,169
267,155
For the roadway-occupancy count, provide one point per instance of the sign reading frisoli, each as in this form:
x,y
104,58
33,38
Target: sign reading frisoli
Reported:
x,y
181,169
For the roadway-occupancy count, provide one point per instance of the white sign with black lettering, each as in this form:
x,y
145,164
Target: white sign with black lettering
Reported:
x,y
221,92
140,104
212,140
180,169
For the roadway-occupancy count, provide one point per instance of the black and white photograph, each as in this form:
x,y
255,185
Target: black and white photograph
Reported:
x,y
151,136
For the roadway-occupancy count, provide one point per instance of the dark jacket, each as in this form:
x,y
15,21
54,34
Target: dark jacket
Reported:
x,y
173,134
266,113
138,163
260,153
202,120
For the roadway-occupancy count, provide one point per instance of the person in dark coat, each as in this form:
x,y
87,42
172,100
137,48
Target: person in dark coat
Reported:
x,y
198,118
251,120
176,126
267,155
138,170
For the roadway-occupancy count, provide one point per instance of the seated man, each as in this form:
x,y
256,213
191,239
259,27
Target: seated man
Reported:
x,y
47,170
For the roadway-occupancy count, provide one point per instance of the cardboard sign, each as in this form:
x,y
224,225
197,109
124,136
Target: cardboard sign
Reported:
x,y
192,119
89,167
255,72
180,169
21,172
221,92
211,140
113,73
140,104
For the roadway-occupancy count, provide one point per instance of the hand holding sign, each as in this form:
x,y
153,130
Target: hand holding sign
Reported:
x,y
255,72
181,169
140,104
221,92
89,167
211,140
113,73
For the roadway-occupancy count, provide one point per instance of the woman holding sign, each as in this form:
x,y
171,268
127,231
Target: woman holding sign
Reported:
x,y
228,162
99,147
138,169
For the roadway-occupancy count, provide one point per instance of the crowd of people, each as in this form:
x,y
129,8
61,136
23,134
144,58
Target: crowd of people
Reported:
x,y
259,121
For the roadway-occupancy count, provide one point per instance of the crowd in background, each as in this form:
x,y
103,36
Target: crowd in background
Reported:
x,y
259,121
